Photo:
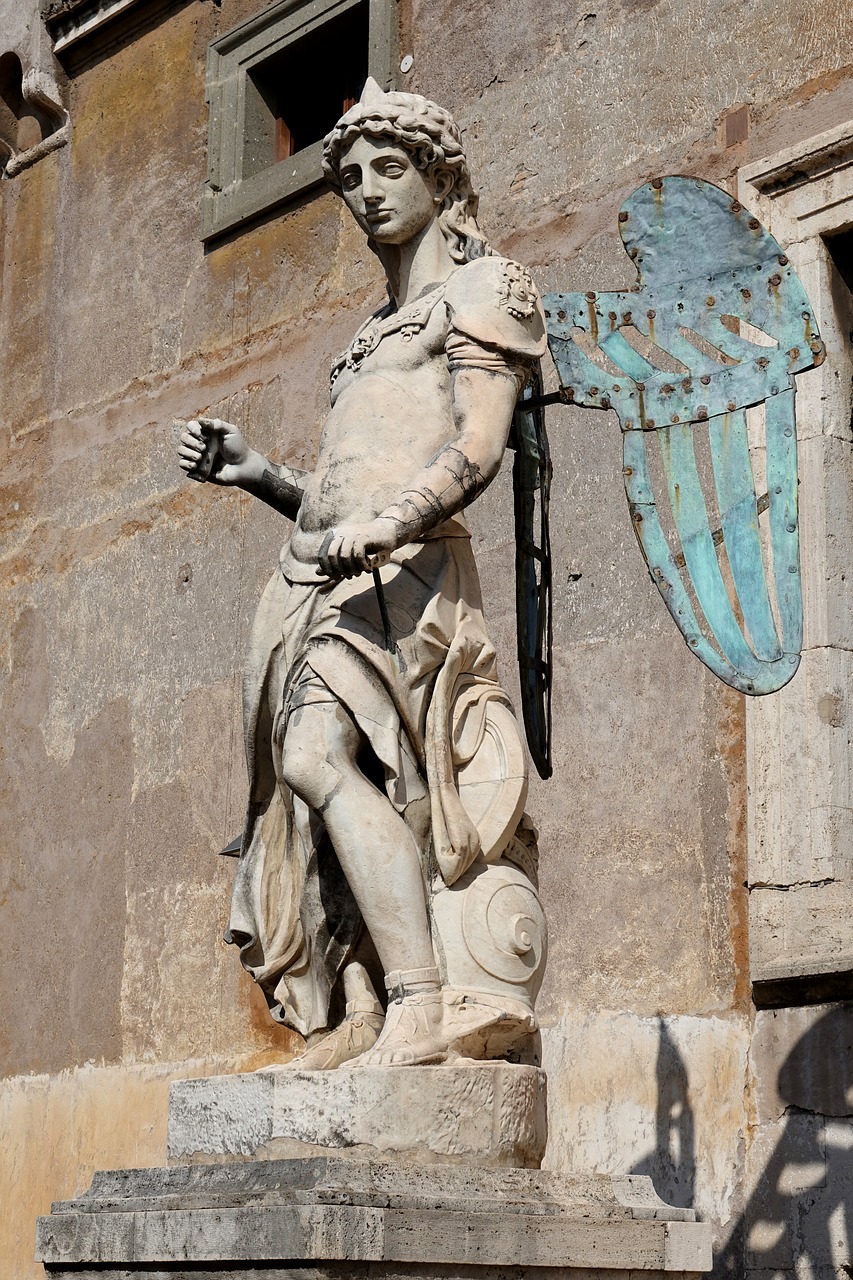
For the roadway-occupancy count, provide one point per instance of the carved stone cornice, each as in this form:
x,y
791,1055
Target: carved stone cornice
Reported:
x,y
807,161
70,20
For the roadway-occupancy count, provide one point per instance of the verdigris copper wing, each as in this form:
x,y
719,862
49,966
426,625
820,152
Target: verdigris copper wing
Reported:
x,y
718,322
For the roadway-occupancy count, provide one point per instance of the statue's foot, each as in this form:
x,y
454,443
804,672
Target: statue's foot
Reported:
x,y
450,1026
414,1033
356,1034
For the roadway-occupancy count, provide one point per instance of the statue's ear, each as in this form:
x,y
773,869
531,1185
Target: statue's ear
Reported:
x,y
443,186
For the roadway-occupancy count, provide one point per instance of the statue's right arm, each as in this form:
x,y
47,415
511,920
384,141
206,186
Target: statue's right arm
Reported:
x,y
216,451
279,486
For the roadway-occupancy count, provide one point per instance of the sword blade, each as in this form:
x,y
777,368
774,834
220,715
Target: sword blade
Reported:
x,y
383,613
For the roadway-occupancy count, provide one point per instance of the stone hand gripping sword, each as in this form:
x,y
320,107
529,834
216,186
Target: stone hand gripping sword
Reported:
x,y
376,562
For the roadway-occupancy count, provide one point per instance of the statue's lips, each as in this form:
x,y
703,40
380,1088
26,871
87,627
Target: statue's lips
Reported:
x,y
377,217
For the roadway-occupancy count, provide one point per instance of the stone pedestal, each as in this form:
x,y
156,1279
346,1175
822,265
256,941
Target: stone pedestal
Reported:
x,y
331,1217
483,1114
426,1182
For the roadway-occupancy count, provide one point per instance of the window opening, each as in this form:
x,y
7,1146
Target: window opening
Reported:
x,y
840,250
276,85
295,97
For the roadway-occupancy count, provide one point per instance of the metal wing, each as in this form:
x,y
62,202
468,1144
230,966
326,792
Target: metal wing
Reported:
x,y
718,322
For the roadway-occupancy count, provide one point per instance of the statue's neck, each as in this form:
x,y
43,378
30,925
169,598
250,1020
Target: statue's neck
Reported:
x,y
421,261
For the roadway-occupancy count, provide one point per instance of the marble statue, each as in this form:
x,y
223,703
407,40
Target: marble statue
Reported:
x,y
385,897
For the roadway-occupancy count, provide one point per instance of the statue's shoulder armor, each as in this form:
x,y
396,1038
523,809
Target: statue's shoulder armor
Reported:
x,y
494,301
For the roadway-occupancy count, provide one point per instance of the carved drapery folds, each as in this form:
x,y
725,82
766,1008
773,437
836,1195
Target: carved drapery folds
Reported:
x,y
33,121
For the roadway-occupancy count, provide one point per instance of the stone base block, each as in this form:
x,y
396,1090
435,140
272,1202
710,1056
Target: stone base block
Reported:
x,y
325,1217
374,1271
488,1114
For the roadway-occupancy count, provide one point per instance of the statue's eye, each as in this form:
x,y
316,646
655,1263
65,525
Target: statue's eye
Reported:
x,y
393,169
349,181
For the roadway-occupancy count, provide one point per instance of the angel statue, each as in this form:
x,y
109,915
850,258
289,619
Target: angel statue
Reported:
x,y
386,832
385,898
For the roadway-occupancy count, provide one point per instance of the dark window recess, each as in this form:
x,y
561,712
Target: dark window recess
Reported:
x,y
840,249
276,85
788,993
294,98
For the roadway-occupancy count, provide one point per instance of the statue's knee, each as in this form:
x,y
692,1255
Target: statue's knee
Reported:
x,y
301,767
314,755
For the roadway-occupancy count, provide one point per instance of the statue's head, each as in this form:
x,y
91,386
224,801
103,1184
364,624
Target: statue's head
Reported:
x,y
426,137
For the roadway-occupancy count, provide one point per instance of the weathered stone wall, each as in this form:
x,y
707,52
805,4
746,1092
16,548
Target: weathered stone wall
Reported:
x,y
127,594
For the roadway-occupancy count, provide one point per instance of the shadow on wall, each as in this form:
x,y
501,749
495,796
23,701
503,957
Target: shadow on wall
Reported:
x,y
799,1216
672,1164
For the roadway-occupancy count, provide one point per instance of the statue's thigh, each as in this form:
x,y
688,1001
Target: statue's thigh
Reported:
x,y
321,746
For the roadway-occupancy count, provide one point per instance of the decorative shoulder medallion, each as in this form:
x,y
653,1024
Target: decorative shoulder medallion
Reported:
x,y
517,292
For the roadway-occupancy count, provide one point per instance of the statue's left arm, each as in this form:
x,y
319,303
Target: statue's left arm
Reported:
x,y
497,333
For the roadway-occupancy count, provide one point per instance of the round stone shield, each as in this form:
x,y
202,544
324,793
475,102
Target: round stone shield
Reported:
x,y
493,783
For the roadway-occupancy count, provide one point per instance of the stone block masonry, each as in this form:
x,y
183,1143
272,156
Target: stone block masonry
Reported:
x,y
368,1218
491,1114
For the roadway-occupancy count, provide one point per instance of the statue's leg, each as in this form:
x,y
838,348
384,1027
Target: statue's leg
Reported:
x,y
355,1035
380,860
375,848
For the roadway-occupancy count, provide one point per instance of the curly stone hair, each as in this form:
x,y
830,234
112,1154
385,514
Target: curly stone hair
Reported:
x,y
432,137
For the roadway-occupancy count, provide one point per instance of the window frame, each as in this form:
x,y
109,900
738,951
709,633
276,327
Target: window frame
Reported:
x,y
230,199
799,776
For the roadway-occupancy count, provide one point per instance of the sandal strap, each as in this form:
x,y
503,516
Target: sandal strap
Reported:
x,y
364,1005
407,982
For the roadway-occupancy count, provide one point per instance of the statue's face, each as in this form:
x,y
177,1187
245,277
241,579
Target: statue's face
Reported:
x,y
388,197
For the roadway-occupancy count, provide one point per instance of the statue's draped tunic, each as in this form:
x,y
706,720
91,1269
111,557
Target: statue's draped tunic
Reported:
x,y
421,709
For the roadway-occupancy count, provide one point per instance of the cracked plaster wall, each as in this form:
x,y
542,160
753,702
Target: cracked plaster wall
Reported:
x,y
127,595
